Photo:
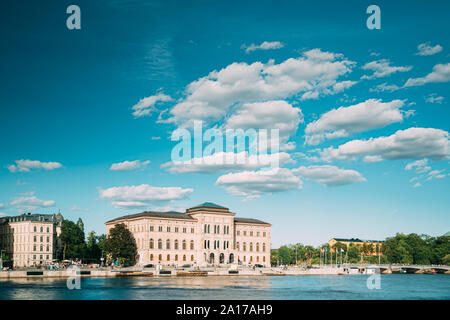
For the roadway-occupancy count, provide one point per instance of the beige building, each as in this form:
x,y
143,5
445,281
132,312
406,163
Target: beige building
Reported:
x,y
31,239
207,234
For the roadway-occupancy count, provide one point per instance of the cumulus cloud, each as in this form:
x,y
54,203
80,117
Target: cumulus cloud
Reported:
x,y
420,166
436,174
253,184
412,143
268,115
425,49
30,202
364,116
147,105
417,185
385,87
266,45
129,165
434,98
142,195
382,68
329,175
440,73
210,98
226,161
28,165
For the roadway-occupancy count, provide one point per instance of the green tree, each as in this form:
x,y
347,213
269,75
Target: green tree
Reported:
x,y
72,238
120,244
94,252
446,259
284,255
353,254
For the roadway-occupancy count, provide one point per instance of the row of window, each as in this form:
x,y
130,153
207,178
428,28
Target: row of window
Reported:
x,y
251,233
168,257
176,244
168,229
244,246
41,239
216,244
216,229
23,229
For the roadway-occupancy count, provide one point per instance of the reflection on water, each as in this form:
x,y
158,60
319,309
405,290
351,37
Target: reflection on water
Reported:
x,y
231,287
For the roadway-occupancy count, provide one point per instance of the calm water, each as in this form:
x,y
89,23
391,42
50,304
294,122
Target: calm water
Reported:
x,y
403,286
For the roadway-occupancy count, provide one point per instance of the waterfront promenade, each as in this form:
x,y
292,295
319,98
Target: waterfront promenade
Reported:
x,y
223,271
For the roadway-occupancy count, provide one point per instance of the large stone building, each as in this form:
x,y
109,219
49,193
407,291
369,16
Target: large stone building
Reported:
x,y
204,234
31,239
374,246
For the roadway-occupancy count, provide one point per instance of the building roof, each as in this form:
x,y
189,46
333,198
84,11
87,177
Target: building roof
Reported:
x,y
39,217
249,220
356,240
156,214
208,205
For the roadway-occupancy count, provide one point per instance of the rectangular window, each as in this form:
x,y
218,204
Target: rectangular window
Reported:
x,y
168,229
264,234
151,228
238,233
251,233
192,230
176,229
160,228
48,229
184,230
245,233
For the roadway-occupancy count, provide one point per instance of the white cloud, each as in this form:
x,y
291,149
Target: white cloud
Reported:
x,y
27,165
142,195
425,49
411,143
211,97
417,185
440,73
436,174
78,209
329,175
253,184
419,165
382,68
146,105
434,98
372,159
385,87
364,116
226,161
31,202
156,138
266,45
269,115
129,165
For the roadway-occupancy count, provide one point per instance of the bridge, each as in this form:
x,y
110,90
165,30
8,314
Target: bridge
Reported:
x,y
401,268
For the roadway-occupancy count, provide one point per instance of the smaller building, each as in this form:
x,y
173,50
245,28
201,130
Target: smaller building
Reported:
x,y
374,247
31,239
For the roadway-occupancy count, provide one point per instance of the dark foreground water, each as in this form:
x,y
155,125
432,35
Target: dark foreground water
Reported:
x,y
403,286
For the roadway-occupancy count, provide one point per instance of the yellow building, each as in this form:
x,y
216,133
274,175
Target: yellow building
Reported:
x,y
375,246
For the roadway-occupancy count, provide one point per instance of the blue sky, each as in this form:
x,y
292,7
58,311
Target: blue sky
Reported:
x,y
377,166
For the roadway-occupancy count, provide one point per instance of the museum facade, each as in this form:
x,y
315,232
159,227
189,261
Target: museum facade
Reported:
x,y
207,234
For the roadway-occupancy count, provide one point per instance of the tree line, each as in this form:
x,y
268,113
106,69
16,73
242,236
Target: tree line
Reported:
x,y
119,246
407,249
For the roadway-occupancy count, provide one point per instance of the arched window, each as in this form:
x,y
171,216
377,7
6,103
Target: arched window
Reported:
x,y
151,244
184,257
208,244
168,257
151,257
184,244
251,246
208,228
257,247
176,257
264,259
176,244
168,244
237,246
159,244
264,247
205,228
160,257
257,259
192,257
192,244
244,247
